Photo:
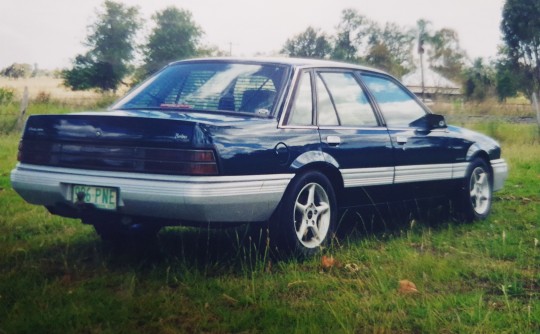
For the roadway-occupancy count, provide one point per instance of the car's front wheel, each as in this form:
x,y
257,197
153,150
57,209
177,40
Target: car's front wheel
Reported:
x,y
307,214
475,196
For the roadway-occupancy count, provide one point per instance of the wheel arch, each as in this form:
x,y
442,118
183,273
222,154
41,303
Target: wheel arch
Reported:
x,y
477,153
330,171
322,162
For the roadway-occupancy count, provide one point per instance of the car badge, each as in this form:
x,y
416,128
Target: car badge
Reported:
x,y
181,137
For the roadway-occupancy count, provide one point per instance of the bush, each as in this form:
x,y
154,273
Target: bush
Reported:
x,y
43,97
6,95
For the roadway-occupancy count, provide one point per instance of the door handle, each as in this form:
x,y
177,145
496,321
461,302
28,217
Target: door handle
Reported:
x,y
333,140
401,140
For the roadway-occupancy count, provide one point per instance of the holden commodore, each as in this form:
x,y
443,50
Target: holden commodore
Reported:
x,y
225,141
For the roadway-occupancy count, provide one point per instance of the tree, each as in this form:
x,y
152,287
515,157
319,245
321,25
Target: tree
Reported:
x,y
479,80
422,27
176,36
445,54
311,43
521,33
17,71
506,80
343,47
442,48
353,32
111,43
391,49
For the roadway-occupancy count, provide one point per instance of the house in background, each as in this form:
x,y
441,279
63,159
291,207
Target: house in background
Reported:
x,y
435,85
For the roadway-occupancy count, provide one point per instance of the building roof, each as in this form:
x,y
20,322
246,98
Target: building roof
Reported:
x,y
434,83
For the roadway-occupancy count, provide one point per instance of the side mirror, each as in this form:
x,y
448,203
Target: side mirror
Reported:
x,y
430,122
436,121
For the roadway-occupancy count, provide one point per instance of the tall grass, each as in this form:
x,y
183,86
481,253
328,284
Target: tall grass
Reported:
x,y
490,107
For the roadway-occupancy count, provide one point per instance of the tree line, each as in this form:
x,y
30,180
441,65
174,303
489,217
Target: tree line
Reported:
x,y
111,49
112,46
396,49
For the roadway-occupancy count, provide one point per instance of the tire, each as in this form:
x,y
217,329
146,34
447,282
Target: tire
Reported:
x,y
306,216
475,196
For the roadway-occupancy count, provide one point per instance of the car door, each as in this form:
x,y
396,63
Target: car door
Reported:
x,y
351,132
421,152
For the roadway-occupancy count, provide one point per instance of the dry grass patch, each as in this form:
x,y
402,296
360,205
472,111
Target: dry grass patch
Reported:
x,y
45,89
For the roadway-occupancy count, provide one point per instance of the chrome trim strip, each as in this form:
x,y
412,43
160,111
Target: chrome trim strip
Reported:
x,y
459,170
419,173
206,199
402,174
289,98
365,128
500,173
367,176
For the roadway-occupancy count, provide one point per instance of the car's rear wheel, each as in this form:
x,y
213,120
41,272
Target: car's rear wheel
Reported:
x,y
475,196
306,215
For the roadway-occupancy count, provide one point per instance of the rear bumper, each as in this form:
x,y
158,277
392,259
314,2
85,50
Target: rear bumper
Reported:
x,y
228,199
500,173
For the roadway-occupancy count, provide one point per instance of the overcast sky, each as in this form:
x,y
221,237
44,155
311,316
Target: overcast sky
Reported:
x,y
50,32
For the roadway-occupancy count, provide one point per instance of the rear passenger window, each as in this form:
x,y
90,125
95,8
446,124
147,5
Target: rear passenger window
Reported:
x,y
325,107
347,99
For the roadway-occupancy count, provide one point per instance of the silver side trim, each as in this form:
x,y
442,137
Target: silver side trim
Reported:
x,y
367,176
459,170
402,174
205,199
421,173
500,173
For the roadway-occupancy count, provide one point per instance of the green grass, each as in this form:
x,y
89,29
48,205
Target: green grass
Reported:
x,y
56,276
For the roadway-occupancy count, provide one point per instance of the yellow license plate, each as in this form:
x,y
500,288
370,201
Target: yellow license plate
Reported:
x,y
102,197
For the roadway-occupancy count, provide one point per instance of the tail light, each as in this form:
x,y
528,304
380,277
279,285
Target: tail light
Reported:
x,y
201,163
119,158
19,152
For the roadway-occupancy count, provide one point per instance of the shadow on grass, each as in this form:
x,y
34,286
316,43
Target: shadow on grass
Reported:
x,y
215,252
392,219
223,248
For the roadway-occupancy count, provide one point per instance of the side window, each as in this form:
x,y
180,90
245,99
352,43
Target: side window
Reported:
x,y
349,99
398,107
302,109
325,107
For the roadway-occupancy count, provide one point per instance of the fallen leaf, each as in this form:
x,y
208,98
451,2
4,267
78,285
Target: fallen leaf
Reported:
x,y
407,287
352,267
328,262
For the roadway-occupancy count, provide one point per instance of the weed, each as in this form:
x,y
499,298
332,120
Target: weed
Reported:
x,y
6,95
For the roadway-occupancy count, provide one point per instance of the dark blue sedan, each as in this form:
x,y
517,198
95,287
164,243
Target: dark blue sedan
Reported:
x,y
227,141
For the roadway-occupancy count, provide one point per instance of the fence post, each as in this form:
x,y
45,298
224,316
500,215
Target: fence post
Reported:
x,y
24,107
536,108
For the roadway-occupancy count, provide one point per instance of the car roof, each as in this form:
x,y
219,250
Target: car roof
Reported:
x,y
294,62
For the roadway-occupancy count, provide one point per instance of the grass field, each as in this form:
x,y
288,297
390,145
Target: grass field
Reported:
x,y
56,276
